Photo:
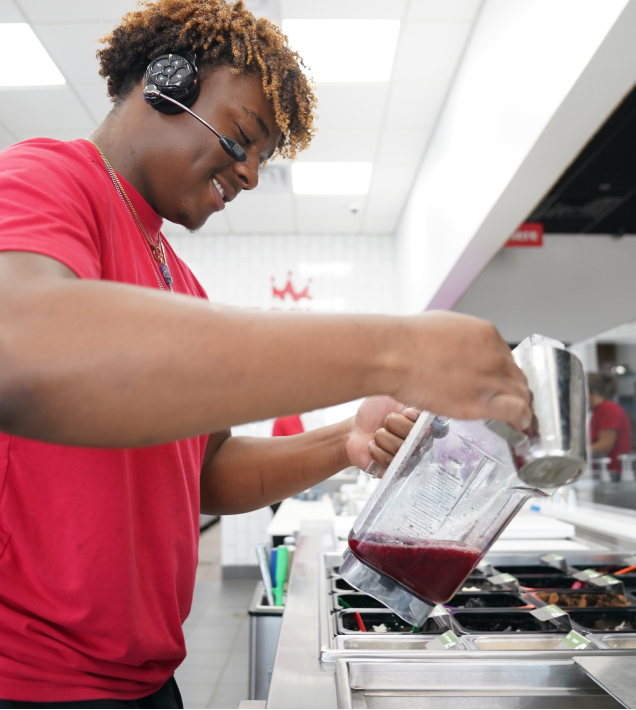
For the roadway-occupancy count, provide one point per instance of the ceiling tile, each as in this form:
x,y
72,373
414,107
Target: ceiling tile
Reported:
x,y
72,47
384,224
429,51
319,214
10,12
402,147
443,9
383,205
95,99
351,105
392,179
383,213
275,176
415,105
263,213
265,8
357,123
106,11
343,145
337,9
43,111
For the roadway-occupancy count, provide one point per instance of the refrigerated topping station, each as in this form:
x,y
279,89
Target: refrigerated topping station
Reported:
x,y
498,643
543,620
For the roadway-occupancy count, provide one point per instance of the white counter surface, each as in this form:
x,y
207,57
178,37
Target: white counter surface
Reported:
x,y
619,523
292,512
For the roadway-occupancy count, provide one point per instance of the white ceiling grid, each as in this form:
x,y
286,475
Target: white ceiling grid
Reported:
x,y
388,124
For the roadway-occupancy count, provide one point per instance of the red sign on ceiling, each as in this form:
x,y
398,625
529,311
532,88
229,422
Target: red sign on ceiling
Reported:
x,y
529,234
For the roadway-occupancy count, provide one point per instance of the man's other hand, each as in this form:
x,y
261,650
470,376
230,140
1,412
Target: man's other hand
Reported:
x,y
378,430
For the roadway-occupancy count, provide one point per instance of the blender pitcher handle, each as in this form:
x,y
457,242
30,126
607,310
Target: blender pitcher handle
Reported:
x,y
374,469
437,430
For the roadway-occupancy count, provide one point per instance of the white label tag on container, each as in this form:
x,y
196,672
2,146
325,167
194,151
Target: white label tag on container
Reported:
x,y
607,581
551,611
555,560
443,642
485,567
438,610
586,575
504,578
573,640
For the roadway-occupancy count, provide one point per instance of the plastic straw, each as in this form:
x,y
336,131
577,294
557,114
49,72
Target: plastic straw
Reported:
x,y
272,566
361,625
291,549
626,570
359,621
261,554
281,574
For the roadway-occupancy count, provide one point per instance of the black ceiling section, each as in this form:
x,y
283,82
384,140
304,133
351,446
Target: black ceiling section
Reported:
x,y
597,193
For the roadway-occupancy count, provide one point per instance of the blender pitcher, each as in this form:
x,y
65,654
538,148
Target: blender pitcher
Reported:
x,y
455,485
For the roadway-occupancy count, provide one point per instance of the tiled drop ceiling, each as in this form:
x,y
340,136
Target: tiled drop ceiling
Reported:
x,y
388,124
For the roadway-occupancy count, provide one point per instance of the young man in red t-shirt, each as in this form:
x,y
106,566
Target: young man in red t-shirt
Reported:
x,y
610,428
119,381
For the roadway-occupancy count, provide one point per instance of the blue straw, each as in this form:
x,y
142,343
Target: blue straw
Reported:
x,y
272,566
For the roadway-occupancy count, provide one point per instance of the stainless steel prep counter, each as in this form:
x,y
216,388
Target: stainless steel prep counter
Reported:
x,y
315,670
300,679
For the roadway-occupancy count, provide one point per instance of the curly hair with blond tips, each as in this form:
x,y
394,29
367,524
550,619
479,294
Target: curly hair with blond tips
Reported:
x,y
220,34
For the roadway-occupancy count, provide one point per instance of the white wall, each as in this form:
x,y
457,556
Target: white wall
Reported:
x,y
537,79
343,273
626,355
571,289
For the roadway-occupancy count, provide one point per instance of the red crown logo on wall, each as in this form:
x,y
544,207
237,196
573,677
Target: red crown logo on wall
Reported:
x,y
289,289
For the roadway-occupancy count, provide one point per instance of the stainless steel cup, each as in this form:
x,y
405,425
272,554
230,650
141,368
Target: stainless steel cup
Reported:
x,y
553,451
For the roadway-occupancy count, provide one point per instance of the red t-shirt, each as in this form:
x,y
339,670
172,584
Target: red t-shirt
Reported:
x,y
98,547
288,426
610,415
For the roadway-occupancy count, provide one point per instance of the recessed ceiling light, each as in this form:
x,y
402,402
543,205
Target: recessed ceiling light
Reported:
x,y
26,62
345,50
331,178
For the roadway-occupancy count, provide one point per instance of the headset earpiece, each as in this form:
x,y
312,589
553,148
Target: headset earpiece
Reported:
x,y
171,85
176,76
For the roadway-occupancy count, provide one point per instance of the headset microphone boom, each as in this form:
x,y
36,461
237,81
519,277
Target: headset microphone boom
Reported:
x,y
171,86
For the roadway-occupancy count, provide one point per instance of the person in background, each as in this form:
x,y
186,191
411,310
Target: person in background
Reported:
x,y
288,426
610,428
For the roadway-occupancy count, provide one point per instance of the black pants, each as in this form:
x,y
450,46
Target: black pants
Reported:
x,y
168,696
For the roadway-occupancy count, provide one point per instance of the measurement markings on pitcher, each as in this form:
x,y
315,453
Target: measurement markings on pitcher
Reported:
x,y
434,501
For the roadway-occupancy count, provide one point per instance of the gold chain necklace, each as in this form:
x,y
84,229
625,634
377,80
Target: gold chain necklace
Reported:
x,y
157,249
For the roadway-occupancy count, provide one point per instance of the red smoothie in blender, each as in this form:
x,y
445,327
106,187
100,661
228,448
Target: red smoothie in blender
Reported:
x,y
432,570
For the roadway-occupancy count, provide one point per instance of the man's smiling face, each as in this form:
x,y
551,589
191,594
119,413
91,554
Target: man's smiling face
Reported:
x,y
188,176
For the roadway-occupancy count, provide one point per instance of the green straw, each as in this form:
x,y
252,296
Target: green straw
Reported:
x,y
281,574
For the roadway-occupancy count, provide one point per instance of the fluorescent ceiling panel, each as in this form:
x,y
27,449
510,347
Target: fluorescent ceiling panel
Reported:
x,y
331,178
345,50
26,61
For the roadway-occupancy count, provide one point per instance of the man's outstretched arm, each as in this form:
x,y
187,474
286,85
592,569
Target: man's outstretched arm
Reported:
x,y
97,363
245,473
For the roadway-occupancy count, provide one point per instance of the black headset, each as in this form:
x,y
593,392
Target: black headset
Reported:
x,y
171,86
